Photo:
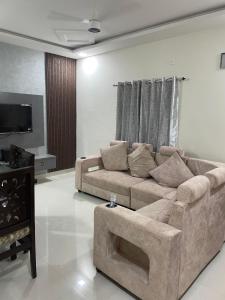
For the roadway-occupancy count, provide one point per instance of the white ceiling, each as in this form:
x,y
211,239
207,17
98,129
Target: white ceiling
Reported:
x,y
54,22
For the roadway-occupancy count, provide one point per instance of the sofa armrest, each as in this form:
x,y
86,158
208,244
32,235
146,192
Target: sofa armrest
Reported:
x,y
216,177
83,165
193,189
159,241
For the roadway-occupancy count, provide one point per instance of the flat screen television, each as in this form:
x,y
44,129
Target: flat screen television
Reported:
x,y
15,118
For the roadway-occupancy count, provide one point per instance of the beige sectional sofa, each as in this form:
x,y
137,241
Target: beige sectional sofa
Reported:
x,y
157,251
131,192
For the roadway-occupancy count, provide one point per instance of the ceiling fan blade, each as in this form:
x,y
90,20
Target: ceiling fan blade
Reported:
x,y
72,36
86,21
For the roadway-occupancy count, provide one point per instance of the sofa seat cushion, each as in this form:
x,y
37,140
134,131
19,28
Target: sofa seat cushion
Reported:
x,y
150,191
114,181
159,210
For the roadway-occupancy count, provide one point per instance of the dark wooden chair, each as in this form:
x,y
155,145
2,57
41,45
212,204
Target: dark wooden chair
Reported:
x,y
17,221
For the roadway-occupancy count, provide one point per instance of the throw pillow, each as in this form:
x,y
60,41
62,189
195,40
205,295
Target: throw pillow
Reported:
x,y
172,172
115,157
141,162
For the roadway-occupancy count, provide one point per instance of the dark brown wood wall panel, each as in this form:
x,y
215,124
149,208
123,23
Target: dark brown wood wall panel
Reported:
x,y
61,109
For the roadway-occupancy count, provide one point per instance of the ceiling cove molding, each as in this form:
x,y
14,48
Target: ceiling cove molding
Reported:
x,y
17,39
16,34
160,31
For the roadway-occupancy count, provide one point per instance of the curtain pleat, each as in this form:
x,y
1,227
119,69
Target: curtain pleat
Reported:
x,y
119,110
134,120
144,111
164,113
174,115
126,111
154,112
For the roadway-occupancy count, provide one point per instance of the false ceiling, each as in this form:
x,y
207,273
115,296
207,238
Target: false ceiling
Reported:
x,y
64,23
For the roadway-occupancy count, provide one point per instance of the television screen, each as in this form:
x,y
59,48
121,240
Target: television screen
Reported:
x,y
15,118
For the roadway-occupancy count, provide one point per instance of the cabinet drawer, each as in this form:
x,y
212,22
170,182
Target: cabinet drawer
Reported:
x,y
40,165
45,163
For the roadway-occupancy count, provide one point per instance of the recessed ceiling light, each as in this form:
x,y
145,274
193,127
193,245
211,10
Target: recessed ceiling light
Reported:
x,y
82,54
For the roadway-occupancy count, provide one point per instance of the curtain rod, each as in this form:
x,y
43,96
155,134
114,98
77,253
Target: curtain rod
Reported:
x,y
179,78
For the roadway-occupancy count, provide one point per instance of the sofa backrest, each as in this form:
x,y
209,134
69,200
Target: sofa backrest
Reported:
x,y
160,157
135,145
165,152
190,214
199,166
117,142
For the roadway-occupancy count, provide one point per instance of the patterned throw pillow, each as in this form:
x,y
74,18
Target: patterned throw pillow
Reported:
x,y
115,157
141,162
172,172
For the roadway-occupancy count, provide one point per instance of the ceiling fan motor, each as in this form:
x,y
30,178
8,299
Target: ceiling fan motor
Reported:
x,y
95,26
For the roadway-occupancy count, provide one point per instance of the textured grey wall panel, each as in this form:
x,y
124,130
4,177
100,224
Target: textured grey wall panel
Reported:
x,y
22,70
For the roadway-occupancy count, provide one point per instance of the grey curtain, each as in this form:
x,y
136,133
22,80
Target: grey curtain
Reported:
x,y
147,111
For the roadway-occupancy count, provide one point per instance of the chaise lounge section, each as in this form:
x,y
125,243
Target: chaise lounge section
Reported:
x,y
157,251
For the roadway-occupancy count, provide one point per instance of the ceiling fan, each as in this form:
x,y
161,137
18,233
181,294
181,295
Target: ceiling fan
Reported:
x,y
94,25
85,27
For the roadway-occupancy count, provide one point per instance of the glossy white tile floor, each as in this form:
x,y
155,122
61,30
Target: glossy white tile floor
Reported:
x,y
64,232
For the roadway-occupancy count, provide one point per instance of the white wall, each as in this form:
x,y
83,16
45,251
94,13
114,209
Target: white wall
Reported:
x,y
22,71
202,117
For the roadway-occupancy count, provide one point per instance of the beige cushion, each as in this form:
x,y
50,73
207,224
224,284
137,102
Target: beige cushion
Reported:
x,y
172,172
116,182
115,157
141,162
159,210
10,238
160,159
150,191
